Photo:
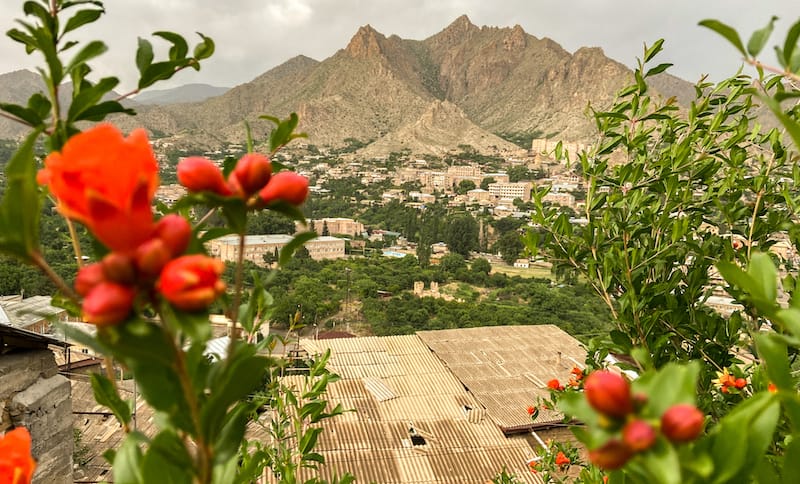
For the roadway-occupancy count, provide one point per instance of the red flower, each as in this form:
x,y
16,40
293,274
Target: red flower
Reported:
x,y
252,172
286,186
531,410
88,277
577,373
16,463
192,282
562,460
682,423
772,388
175,232
152,256
609,393
106,182
200,174
108,303
554,384
119,267
611,455
638,435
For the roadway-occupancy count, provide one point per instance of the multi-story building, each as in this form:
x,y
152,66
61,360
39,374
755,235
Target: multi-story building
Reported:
x,y
338,225
563,199
258,246
511,191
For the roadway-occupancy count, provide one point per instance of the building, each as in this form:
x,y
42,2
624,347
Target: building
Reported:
x,y
32,313
511,191
439,406
258,246
338,225
563,199
33,395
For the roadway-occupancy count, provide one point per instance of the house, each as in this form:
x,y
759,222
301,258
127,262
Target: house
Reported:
x,y
443,406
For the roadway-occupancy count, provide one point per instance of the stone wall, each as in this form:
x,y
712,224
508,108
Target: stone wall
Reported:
x,y
33,395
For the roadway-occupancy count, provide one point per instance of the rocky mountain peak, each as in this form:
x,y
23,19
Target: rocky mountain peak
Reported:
x,y
367,42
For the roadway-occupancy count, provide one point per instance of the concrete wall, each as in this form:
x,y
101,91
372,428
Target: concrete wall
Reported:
x,y
33,395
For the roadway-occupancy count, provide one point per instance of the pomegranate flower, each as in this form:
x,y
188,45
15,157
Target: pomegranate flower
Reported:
x,y
609,393
108,303
16,463
554,384
192,282
200,174
107,182
286,186
682,423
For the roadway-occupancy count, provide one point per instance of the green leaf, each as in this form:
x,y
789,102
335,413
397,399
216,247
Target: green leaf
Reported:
x,y
289,249
654,49
98,112
309,440
773,351
179,47
20,209
88,97
26,114
790,44
105,394
727,32
144,55
157,72
232,433
167,460
792,126
127,468
82,17
27,40
762,271
759,38
673,384
204,49
791,461
193,324
657,70
90,51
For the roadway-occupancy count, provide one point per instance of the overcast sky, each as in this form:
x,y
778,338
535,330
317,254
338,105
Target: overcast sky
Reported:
x,y
253,36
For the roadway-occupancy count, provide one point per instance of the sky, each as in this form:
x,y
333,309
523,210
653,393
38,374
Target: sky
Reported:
x,y
253,36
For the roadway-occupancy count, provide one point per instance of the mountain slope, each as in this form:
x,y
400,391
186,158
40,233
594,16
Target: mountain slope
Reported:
x,y
182,94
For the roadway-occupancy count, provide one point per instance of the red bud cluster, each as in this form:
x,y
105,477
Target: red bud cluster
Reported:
x,y
110,287
610,395
252,175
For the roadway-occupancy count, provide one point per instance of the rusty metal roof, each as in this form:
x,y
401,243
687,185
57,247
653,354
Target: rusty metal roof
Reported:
x,y
507,367
394,384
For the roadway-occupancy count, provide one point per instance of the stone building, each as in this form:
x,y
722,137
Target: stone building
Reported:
x,y
335,225
511,191
258,246
33,395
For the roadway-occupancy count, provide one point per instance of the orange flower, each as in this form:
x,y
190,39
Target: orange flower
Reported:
x,y
108,303
106,182
16,463
200,174
531,410
577,373
192,282
772,388
554,384
562,460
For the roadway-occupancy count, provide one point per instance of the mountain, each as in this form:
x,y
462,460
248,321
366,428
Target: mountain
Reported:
x,y
187,93
463,85
16,87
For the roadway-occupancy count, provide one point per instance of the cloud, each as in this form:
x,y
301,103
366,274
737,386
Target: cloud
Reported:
x,y
290,12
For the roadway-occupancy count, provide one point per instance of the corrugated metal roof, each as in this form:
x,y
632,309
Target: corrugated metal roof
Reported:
x,y
26,312
374,442
507,367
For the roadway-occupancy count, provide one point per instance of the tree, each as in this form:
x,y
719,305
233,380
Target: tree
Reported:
x,y
452,263
510,246
464,186
461,234
481,265
486,182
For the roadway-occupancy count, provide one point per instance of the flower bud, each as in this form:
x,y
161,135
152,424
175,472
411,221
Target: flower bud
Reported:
x,y
638,435
286,186
175,231
251,174
200,174
609,393
611,455
740,383
108,303
682,423
152,256
88,277
119,268
192,282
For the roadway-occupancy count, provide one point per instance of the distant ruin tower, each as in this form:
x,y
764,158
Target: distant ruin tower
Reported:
x,y
419,287
434,288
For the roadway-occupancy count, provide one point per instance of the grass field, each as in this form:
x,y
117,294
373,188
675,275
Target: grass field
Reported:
x,y
533,271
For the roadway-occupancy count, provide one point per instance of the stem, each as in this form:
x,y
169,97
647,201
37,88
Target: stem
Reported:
x,y
76,246
237,293
15,119
776,70
112,377
204,452
62,286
